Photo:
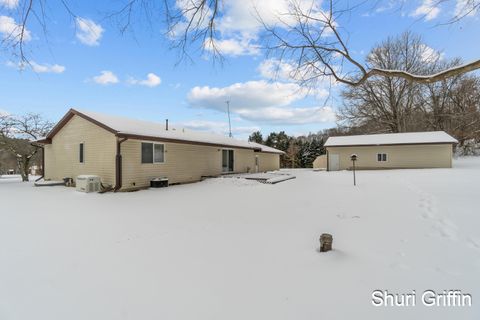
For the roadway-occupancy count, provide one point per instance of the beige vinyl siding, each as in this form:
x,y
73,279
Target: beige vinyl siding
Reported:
x,y
62,155
183,163
401,156
320,162
268,161
244,160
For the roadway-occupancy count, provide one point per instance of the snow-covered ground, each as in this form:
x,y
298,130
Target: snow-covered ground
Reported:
x,y
237,249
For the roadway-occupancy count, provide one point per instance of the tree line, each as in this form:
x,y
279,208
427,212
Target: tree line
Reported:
x,y
391,105
300,152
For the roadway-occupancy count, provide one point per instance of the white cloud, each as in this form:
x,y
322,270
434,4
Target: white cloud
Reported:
x,y
251,94
9,4
287,71
11,31
152,81
218,127
36,67
467,8
386,7
88,32
289,115
276,69
429,9
261,101
242,21
234,47
429,54
105,78
246,16
47,68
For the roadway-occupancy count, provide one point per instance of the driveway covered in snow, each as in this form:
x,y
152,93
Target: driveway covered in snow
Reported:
x,y
238,249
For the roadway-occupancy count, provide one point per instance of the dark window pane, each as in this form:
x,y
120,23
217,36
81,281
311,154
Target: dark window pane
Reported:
x,y
159,153
384,157
81,153
147,152
230,160
379,157
224,160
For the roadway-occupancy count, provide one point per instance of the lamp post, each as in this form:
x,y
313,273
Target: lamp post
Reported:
x,y
353,157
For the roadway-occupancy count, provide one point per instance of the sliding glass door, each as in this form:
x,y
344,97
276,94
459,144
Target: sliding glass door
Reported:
x,y
227,160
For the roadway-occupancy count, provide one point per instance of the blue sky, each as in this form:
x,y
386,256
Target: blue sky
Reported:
x,y
136,74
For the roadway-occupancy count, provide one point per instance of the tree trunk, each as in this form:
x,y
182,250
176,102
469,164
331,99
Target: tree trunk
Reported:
x,y
24,168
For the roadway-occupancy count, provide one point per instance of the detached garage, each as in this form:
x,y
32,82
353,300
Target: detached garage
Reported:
x,y
391,151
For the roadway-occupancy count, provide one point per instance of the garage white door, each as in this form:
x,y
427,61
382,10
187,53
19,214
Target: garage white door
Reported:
x,y
333,162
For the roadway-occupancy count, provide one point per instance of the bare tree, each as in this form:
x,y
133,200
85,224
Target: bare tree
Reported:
x,y
17,134
434,100
464,114
383,104
389,103
307,34
309,37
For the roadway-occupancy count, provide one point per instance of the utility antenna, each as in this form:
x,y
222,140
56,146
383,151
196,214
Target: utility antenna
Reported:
x,y
229,123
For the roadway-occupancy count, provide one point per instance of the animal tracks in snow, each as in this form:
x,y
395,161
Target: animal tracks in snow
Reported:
x,y
343,216
442,226
473,243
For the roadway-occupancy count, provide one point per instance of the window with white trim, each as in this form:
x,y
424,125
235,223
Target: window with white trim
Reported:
x,y
381,157
153,152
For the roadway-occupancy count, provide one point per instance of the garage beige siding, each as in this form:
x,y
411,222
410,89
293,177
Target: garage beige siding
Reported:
x,y
268,161
401,156
62,155
320,162
183,163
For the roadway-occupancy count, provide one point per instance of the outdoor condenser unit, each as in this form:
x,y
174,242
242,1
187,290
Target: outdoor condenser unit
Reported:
x,y
88,183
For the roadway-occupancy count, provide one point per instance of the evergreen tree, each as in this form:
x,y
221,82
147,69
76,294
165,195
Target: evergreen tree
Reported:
x,y
300,152
280,141
256,137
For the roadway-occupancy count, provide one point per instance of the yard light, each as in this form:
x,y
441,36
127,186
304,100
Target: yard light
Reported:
x,y
354,157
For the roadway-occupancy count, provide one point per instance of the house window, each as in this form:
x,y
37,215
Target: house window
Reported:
x,y
381,157
227,160
81,153
153,152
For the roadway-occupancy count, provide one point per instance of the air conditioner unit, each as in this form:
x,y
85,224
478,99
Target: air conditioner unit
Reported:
x,y
88,183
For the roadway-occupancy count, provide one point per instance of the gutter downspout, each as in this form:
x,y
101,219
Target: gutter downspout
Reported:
x,y
118,165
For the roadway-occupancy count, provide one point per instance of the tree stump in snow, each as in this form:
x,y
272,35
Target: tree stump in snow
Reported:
x,y
326,242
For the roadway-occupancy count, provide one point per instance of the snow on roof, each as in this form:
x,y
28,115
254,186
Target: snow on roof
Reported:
x,y
152,129
265,148
391,138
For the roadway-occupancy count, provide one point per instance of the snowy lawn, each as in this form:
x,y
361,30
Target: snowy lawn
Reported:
x,y
236,249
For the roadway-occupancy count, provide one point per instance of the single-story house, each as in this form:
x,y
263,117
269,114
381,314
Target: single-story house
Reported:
x,y
391,151
128,153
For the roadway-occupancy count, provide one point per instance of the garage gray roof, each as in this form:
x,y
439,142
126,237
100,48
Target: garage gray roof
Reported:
x,y
431,137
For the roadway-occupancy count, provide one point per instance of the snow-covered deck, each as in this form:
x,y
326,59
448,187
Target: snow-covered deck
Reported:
x,y
263,177
238,249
